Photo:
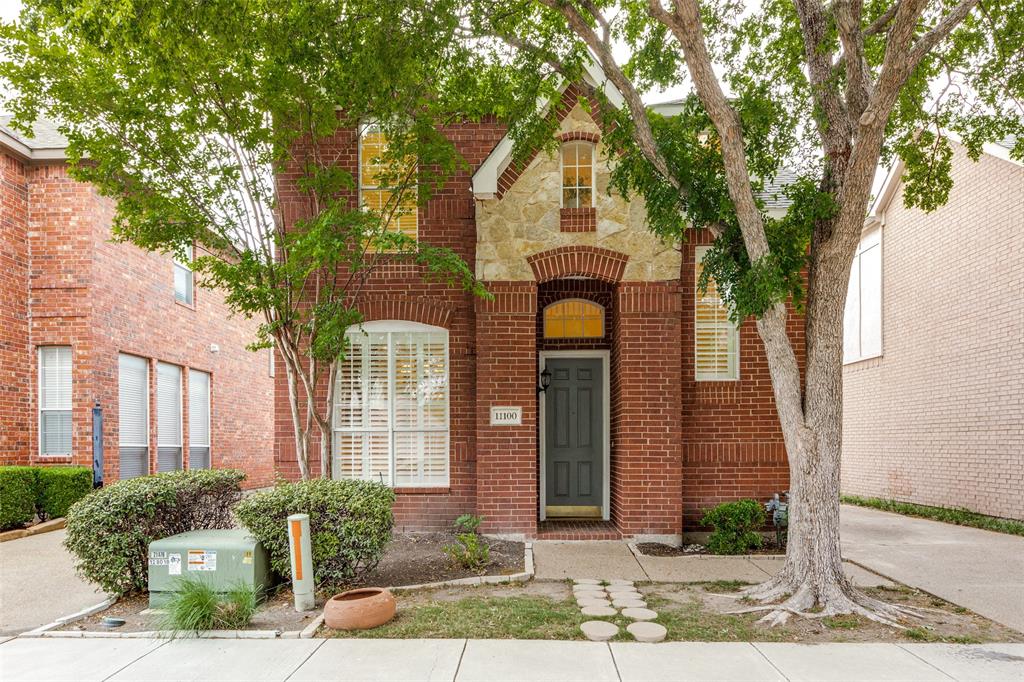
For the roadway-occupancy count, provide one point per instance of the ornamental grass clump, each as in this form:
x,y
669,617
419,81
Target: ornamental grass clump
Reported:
x,y
195,606
736,527
471,550
349,524
110,530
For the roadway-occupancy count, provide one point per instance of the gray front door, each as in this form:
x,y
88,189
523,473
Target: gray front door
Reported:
x,y
574,437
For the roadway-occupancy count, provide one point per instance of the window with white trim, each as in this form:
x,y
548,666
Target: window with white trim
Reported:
x,y
577,174
168,417
183,278
391,405
379,197
716,338
862,317
133,415
198,419
55,400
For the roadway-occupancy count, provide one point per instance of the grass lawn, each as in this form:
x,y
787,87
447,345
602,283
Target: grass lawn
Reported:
x,y
960,517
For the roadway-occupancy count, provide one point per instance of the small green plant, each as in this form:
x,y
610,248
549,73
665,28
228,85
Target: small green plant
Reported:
x,y
736,525
472,551
844,622
195,605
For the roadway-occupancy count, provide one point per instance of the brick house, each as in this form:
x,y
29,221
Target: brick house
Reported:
x,y
85,323
933,397
596,396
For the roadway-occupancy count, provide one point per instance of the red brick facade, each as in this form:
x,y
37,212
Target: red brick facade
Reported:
x,y
64,282
678,445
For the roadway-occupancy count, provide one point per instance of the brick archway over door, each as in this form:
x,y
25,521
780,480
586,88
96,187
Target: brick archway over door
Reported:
x,y
578,261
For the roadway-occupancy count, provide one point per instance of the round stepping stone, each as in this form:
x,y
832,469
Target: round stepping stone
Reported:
x,y
640,614
600,631
625,594
629,603
646,632
586,581
595,611
588,588
628,583
590,594
583,603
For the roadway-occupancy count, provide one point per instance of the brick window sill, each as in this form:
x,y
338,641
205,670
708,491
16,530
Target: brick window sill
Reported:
x,y
423,491
191,306
578,219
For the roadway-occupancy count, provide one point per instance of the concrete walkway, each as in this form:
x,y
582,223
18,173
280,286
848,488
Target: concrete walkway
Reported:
x,y
496,660
38,583
978,569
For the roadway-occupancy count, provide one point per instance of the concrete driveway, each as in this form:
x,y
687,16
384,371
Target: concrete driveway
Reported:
x,y
978,569
38,583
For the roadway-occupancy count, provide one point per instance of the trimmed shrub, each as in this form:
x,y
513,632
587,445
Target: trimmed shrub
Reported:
x,y
349,525
61,487
736,525
17,496
110,530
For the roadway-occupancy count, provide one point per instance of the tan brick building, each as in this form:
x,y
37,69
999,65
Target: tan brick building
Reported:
x,y
88,323
934,381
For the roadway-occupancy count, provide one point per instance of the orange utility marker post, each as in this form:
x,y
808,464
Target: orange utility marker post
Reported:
x,y
302,562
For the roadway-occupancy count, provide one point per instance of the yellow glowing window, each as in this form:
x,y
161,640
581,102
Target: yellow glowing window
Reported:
x,y
716,338
401,215
573,319
577,175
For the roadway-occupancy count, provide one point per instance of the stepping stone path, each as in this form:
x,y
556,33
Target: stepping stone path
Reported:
x,y
593,597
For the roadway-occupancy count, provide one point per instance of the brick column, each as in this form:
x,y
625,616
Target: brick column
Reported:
x,y
646,462
506,375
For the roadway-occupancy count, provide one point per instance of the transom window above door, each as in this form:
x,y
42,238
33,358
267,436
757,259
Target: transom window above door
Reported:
x,y
577,174
574,319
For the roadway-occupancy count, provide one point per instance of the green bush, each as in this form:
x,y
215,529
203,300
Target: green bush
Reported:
x,y
61,487
736,525
194,605
110,530
472,551
349,525
17,496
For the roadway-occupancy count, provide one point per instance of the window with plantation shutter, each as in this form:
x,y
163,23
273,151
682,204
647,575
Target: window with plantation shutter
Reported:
x,y
716,338
168,417
184,279
391,406
198,420
133,415
862,317
55,400
375,176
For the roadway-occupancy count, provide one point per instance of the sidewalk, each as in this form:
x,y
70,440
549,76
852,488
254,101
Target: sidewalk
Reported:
x,y
978,569
496,660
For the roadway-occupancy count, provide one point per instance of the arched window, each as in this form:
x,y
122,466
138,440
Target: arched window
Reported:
x,y
577,174
573,319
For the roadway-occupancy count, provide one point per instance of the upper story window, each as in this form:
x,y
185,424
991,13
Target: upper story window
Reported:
x,y
862,318
391,405
574,319
183,284
377,183
716,338
577,174
55,400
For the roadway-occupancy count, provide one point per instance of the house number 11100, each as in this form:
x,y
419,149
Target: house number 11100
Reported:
x,y
506,416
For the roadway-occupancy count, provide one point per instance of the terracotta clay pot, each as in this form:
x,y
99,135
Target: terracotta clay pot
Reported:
x,y
359,609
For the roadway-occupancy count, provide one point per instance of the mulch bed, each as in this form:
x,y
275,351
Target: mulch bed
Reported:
x,y
416,558
660,549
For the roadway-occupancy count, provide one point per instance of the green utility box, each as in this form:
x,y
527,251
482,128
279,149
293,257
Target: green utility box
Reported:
x,y
221,558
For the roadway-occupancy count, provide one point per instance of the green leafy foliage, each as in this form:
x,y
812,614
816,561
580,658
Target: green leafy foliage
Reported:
x,y
349,524
17,496
61,487
109,531
735,526
194,606
470,550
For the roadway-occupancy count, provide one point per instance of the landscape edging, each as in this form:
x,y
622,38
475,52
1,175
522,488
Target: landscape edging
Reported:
x,y
38,529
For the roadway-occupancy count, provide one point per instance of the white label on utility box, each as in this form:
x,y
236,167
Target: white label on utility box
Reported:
x,y
202,560
174,564
506,416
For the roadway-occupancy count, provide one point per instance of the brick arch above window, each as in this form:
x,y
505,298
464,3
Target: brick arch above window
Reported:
x,y
579,136
420,310
578,261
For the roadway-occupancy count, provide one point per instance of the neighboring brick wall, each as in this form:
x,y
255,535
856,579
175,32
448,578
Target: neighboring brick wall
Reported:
x,y
102,298
938,419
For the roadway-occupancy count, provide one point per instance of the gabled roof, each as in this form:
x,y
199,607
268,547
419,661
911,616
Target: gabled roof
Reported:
x,y
45,143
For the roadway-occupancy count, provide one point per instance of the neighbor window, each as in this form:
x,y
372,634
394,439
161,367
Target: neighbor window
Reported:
x,y
198,420
573,319
168,417
577,175
374,192
183,275
716,338
133,415
391,405
55,400
862,318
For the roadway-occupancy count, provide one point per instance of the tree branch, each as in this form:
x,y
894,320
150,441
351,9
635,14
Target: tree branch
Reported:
x,y
941,30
